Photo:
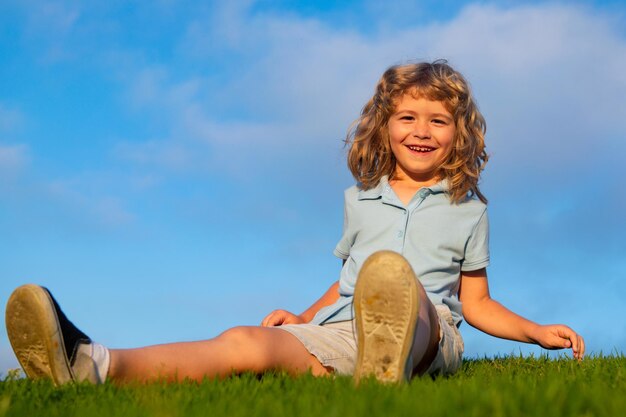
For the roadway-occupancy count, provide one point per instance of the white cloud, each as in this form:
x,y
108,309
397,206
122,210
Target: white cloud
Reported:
x,y
112,212
13,158
86,199
549,77
10,118
52,23
56,16
167,154
279,80
562,60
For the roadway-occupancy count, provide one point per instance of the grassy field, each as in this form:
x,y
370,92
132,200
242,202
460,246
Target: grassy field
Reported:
x,y
511,386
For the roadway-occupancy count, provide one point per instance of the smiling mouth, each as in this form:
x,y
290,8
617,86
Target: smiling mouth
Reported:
x,y
421,149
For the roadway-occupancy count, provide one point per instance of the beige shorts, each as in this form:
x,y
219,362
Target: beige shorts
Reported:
x,y
334,344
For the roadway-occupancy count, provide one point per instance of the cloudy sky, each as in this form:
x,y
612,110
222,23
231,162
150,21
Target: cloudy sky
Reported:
x,y
170,169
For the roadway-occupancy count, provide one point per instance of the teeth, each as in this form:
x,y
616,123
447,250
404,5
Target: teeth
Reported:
x,y
420,148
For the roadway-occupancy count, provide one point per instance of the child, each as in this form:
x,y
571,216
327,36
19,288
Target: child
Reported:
x,y
415,235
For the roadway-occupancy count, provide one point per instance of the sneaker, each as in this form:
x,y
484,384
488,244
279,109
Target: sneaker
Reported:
x,y
45,342
386,305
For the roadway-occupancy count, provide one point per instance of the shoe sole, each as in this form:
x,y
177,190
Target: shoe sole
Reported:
x,y
386,304
35,335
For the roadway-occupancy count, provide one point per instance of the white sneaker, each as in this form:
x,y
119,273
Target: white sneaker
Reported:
x,y
386,305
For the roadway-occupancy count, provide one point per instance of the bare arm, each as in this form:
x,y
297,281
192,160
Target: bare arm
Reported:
x,y
278,317
491,317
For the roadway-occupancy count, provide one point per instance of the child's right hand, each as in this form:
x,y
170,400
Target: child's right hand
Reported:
x,y
280,317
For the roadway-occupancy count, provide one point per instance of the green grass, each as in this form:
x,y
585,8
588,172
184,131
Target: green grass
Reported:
x,y
510,386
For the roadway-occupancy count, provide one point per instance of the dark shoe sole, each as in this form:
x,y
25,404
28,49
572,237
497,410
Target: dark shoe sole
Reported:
x,y
386,304
35,335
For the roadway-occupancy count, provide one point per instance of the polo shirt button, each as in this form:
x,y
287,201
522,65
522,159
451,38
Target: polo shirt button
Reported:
x,y
400,233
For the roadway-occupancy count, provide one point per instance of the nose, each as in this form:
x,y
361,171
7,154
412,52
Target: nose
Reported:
x,y
421,130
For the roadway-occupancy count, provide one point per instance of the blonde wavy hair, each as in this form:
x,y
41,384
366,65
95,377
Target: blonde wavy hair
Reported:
x,y
370,156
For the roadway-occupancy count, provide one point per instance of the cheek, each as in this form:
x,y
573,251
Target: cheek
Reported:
x,y
391,132
448,147
446,143
396,134
448,140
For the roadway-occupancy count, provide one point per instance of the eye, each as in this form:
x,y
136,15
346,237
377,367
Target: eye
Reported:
x,y
440,122
407,117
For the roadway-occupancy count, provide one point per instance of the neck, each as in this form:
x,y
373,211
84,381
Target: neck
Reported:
x,y
413,182
405,187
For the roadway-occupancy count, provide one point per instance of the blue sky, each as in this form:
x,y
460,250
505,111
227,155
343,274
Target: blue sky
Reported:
x,y
171,169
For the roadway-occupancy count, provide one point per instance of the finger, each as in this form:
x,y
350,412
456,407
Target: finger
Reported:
x,y
580,348
564,342
292,320
576,345
277,320
569,337
270,319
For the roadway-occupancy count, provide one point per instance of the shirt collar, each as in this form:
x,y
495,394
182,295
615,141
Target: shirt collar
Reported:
x,y
383,186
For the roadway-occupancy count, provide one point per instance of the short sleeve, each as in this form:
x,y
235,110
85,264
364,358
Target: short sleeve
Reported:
x,y
342,250
477,248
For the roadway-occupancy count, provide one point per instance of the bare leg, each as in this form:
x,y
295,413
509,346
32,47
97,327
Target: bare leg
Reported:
x,y
426,340
240,349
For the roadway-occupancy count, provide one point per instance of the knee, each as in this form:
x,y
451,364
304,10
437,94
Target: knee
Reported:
x,y
248,340
240,335
246,346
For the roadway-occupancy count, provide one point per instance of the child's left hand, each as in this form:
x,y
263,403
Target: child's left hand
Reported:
x,y
559,336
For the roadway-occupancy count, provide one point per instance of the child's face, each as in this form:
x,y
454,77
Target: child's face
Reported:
x,y
421,133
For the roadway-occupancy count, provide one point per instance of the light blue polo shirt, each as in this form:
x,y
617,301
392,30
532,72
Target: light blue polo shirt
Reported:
x,y
438,238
